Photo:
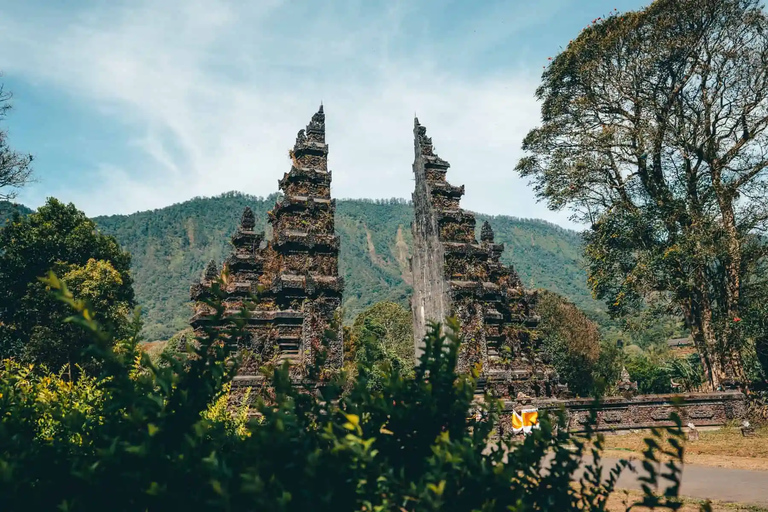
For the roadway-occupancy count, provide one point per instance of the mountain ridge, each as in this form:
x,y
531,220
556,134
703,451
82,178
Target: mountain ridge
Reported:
x,y
170,247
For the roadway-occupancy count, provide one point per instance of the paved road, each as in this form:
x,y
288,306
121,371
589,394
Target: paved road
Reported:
x,y
703,482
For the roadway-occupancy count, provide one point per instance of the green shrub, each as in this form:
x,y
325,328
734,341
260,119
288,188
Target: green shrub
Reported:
x,y
156,437
61,238
382,341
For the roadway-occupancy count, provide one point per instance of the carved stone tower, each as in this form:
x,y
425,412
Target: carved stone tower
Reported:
x,y
290,285
454,275
305,247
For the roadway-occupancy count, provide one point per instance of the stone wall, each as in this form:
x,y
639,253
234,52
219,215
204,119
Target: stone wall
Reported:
x,y
639,412
430,300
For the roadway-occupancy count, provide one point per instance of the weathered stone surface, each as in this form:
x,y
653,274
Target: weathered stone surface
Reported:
x,y
455,275
291,284
639,412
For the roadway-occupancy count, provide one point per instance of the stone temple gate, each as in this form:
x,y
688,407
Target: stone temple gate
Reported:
x,y
455,275
290,284
292,289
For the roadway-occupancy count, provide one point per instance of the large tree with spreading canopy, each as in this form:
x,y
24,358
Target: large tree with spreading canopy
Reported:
x,y
654,134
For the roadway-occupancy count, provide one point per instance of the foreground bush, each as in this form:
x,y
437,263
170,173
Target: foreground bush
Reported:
x,y
147,436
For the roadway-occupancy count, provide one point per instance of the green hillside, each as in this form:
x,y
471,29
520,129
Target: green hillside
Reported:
x,y
171,246
7,209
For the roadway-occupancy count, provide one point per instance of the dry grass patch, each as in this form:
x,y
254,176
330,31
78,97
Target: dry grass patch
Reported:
x,y
725,447
620,500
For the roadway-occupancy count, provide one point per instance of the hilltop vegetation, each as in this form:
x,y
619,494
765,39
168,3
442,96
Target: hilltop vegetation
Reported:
x,y
7,209
170,247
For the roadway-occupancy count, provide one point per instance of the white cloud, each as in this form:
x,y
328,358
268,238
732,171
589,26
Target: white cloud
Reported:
x,y
213,95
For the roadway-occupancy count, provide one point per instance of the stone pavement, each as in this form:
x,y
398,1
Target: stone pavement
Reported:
x,y
703,482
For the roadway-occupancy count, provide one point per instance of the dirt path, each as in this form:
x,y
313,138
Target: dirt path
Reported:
x,y
702,482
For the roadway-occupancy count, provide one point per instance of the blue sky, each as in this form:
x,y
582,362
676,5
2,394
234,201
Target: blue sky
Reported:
x,y
135,105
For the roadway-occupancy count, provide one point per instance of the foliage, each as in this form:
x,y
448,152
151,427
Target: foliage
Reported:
x,y
686,372
648,328
176,347
64,410
382,342
150,425
651,377
655,132
755,328
235,422
572,340
93,266
607,370
171,246
657,370
8,209
15,168
415,444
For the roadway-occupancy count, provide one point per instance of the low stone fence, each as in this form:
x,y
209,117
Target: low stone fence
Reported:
x,y
618,413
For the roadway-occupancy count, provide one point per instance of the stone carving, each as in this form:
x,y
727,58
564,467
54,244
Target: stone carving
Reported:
x,y
581,419
747,430
454,275
211,271
247,221
626,387
486,233
698,413
643,411
290,285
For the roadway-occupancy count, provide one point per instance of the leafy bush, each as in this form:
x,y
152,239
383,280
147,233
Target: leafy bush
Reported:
x,y
382,340
573,342
157,437
686,372
58,237
651,376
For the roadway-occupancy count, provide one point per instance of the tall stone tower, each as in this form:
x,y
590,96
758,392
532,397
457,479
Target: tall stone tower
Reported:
x,y
290,285
304,246
455,275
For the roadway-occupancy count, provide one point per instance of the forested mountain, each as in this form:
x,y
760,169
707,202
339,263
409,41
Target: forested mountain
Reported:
x,y
7,209
170,247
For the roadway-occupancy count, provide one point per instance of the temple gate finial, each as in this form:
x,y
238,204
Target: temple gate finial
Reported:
x,y
486,232
211,271
316,128
247,221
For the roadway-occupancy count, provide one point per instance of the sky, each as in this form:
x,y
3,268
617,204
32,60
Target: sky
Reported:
x,y
136,105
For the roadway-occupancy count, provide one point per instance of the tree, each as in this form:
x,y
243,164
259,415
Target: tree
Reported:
x,y
754,326
61,238
382,340
15,168
571,339
654,132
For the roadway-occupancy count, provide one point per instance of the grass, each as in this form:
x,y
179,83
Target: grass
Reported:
x,y
620,500
725,447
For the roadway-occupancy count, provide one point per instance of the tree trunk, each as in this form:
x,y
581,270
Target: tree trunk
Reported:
x,y
693,317
730,352
701,349
716,372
